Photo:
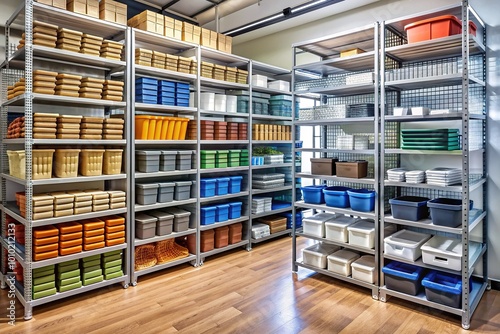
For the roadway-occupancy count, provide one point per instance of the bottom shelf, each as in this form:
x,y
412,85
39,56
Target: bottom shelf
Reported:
x,y
223,249
271,236
60,295
335,275
166,265
475,295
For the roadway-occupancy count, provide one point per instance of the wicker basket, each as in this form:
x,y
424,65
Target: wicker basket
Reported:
x,y
168,250
145,257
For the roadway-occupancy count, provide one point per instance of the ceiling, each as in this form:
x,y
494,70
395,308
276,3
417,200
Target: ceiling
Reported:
x,y
236,13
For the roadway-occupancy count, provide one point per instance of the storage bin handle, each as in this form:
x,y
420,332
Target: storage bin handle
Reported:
x,y
440,259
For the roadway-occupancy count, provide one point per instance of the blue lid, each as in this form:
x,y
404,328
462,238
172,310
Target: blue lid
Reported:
x,y
208,208
448,283
222,179
235,178
222,206
403,270
235,204
208,180
363,193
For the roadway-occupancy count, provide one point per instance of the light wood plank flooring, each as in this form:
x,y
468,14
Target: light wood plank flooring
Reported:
x,y
243,292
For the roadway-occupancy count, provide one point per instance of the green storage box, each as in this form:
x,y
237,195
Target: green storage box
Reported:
x,y
91,274
47,272
92,263
112,253
116,274
68,274
44,286
112,258
43,269
44,279
72,286
111,270
207,165
91,258
68,281
71,267
112,264
44,293
233,163
93,280
67,263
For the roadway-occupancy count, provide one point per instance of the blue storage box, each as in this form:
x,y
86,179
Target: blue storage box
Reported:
x,y
276,205
222,213
362,199
182,86
446,211
337,196
182,102
235,210
208,215
182,91
146,99
166,84
443,288
403,277
146,92
167,95
168,101
235,184
146,87
207,187
298,219
147,81
313,194
411,208
222,187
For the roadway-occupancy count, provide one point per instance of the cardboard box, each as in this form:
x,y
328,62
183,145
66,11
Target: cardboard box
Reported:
x,y
351,52
107,5
47,2
77,7
229,44
121,9
168,32
178,34
205,37
169,22
107,15
121,18
178,25
221,42
93,10
146,18
59,3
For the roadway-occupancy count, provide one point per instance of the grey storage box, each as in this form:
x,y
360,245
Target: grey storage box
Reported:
x,y
145,226
183,161
146,193
181,219
165,192
148,161
165,222
167,161
182,190
193,189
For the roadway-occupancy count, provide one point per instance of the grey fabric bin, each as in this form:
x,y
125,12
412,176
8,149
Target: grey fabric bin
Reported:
x,y
165,222
145,226
181,219
182,190
167,160
165,192
183,160
148,161
146,194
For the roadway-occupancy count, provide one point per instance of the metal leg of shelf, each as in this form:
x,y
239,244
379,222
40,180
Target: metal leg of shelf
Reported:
x,y
375,293
382,296
28,311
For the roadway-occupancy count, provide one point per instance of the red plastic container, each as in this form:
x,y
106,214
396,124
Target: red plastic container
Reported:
x,y
436,27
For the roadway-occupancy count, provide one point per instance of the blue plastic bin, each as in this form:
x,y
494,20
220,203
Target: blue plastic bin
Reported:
x,y
337,196
146,99
446,211
362,199
208,215
182,102
144,86
168,101
222,186
182,86
403,277
411,208
235,184
235,210
313,194
170,95
443,288
276,205
207,187
166,84
298,219
222,213
147,81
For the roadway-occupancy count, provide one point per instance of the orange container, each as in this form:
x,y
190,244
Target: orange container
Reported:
x,y
142,126
164,128
158,128
171,127
436,27
180,124
152,127
184,126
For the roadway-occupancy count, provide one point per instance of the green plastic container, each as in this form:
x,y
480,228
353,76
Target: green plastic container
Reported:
x,y
91,258
68,274
93,280
70,267
112,258
207,165
46,272
114,275
112,264
233,163
44,293
115,252
44,269
96,262
67,263
69,281
92,274
91,269
44,279
72,286
111,270
44,286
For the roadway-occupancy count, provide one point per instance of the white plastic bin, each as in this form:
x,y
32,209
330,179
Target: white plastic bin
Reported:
x,y
336,229
207,101
316,255
259,80
363,269
279,85
405,244
315,225
231,103
340,261
220,102
260,231
362,233
446,252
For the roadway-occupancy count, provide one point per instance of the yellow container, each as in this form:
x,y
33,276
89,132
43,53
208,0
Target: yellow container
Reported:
x,y
41,164
17,163
158,128
171,127
112,163
66,162
184,126
142,126
91,162
164,128
152,127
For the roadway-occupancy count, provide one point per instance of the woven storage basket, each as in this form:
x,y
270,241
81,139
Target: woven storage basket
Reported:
x,y
168,250
145,257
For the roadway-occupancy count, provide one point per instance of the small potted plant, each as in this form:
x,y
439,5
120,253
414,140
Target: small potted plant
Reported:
x,y
270,155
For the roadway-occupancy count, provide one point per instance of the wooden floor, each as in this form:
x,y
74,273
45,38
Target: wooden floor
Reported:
x,y
243,292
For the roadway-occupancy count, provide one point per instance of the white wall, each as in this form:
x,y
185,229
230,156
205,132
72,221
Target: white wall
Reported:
x,y
276,49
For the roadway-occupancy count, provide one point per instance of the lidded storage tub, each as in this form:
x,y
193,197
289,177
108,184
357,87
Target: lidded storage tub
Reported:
x,y
148,161
181,219
164,223
336,229
146,193
362,199
167,161
446,252
91,162
165,192
145,226
184,160
405,244
362,233
316,255
66,162
315,225
340,261
182,190
221,236
363,269
112,163
403,277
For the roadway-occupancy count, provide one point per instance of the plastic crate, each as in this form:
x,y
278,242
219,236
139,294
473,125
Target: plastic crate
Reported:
x,y
446,211
235,210
112,161
222,213
337,196
443,288
235,184
66,162
313,194
208,215
436,27
362,199
222,186
207,187
409,208
403,277
316,255
91,162
148,161
165,192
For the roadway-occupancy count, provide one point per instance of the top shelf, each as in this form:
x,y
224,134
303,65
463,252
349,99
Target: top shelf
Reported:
x,y
450,46
66,19
173,45
63,100
223,57
359,62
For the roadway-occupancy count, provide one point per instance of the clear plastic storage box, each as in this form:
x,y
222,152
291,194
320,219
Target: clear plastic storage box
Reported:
x,y
363,269
405,244
340,261
315,225
316,255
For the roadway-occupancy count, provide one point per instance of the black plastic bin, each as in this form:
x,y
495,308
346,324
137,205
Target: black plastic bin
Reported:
x,y
403,277
412,208
446,211
444,288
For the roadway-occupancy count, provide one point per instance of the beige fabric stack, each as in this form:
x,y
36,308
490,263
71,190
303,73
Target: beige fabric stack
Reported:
x,y
171,62
91,45
68,85
68,127
91,88
113,90
117,199
143,57
91,128
69,40
184,65
113,128
100,200
111,50
82,202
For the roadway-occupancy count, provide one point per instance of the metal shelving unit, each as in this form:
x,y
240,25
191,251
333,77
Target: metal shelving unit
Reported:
x,y
459,87
21,63
331,76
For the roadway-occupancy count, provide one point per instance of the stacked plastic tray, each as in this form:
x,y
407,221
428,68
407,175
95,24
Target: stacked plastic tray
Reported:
x,y
443,176
361,110
166,93
261,204
244,160
396,174
280,105
268,181
207,159
182,94
430,139
146,90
